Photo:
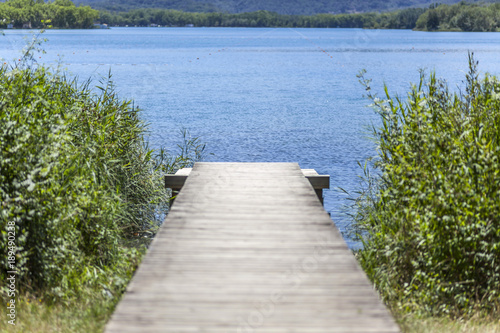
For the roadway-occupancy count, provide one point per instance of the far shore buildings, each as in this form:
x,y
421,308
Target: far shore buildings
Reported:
x,y
101,26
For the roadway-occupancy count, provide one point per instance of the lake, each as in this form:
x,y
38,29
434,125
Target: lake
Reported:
x,y
264,95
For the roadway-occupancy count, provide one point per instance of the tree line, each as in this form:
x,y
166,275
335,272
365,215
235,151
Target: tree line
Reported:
x,y
285,7
460,17
64,14
35,14
402,19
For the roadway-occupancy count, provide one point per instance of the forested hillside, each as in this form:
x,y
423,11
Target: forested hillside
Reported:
x,y
289,7
402,19
462,16
38,13
458,17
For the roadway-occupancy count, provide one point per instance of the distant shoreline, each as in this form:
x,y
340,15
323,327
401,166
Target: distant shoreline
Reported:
x,y
65,15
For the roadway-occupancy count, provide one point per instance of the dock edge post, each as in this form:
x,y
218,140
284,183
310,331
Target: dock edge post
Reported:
x,y
176,181
318,182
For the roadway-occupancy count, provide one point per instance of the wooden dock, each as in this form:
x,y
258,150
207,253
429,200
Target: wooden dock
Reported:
x,y
248,247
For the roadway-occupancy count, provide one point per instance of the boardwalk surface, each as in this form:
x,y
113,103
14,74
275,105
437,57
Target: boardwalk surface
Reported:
x,y
248,247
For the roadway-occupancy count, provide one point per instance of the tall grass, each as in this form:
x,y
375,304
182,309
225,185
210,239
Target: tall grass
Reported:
x,y
430,222
79,183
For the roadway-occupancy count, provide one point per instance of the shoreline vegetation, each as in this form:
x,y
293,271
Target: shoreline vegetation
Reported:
x,y
33,14
459,17
428,220
81,195
463,16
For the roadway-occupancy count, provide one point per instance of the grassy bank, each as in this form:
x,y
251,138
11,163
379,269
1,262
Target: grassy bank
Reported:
x,y
81,197
36,315
475,324
429,219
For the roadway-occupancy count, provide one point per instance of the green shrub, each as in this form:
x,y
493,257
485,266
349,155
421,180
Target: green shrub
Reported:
x,y
431,225
85,192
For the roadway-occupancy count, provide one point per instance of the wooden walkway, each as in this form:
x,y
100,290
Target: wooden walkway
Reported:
x,y
248,247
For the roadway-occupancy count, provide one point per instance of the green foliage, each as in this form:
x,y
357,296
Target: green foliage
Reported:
x,y
405,19
284,7
62,13
77,179
430,224
462,17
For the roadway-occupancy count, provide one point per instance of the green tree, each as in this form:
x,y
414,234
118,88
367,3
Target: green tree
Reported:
x,y
64,3
432,20
63,13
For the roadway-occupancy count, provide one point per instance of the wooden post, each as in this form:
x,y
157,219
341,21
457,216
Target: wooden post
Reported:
x,y
318,182
175,182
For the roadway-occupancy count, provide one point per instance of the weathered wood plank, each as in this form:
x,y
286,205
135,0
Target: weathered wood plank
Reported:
x,y
248,248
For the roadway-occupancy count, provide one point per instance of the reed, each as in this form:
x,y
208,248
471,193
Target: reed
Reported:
x,y
79,183
429,219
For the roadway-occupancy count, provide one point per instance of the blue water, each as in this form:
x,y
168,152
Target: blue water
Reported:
x,y
259,95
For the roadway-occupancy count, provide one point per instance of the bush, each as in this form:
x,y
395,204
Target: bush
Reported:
x,y
431,228
78,181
